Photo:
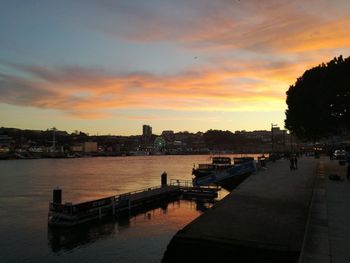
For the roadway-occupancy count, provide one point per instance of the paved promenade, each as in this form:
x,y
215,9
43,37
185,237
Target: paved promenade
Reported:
x,y
263,220
327,236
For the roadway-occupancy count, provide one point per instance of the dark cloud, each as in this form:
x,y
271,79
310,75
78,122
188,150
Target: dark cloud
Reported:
x,y
19,91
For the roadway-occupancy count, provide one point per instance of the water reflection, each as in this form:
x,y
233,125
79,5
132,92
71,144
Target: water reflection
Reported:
x,y
62,240
204,205
26,189
68,239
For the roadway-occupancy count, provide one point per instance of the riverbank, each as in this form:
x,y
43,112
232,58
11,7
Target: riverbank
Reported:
x,y
59,155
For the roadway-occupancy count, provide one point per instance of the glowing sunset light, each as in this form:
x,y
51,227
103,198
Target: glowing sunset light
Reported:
x,y
190,65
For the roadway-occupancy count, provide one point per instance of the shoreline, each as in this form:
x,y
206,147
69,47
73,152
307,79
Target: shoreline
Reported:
x,y
33,156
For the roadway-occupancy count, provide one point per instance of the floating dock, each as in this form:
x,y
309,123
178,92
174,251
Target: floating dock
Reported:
x,y
69,214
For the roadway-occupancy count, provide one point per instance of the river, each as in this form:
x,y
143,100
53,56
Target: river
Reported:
x,y
26,190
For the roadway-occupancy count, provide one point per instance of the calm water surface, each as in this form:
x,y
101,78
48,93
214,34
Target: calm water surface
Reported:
x,y
26,189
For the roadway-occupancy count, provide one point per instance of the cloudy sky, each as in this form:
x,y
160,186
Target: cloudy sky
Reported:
x,y
108,67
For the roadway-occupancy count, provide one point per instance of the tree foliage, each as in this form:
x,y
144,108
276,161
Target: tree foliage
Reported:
x,y
226,140
319,101
218,139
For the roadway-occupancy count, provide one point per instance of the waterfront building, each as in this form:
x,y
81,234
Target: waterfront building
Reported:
x,y
146,134
86,147
183,136
90,147
146,131
6,140
78,148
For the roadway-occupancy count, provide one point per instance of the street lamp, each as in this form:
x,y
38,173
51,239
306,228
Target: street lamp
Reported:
x,y
54,139
272,137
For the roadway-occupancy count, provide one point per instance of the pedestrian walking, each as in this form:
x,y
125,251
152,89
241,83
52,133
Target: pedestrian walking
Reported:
x,y
291,160
330,154
295,162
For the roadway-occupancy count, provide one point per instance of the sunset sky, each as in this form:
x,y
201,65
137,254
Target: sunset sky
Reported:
x,y
108,67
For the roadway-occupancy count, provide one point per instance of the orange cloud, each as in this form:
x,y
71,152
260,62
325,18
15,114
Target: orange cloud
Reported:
x,y
252,51
233,26
331,35
93,95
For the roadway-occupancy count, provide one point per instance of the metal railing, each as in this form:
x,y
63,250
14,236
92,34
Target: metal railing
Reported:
x,y
85,207
189,183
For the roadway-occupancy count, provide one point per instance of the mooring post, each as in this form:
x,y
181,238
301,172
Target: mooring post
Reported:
x,y
164,179
57,195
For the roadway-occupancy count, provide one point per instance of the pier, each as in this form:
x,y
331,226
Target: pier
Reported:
x,y
68,214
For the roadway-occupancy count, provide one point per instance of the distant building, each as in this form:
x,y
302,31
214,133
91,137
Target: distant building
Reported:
x,y
179,144
6,140
146,131
90,147
277,131
6,143
77,148
182,136
146,134
86,147
262,135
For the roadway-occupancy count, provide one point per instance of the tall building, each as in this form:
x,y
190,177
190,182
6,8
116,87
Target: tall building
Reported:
x,y
146,131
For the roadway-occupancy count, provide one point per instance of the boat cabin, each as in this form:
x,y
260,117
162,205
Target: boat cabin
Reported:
x,y
221,160
239,160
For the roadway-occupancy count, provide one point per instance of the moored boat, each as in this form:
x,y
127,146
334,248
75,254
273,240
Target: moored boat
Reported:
x,y
223,172
218,164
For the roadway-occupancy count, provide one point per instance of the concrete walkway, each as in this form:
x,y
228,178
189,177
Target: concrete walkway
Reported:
x,y
328,230
263,220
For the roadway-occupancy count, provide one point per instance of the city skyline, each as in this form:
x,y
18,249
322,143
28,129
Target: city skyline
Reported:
x,y
109,67
147,132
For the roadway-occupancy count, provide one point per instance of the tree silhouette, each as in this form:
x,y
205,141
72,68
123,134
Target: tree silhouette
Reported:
x,y
319,101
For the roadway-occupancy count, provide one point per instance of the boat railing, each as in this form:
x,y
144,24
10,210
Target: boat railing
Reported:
x,y
177,182
189,183
205,166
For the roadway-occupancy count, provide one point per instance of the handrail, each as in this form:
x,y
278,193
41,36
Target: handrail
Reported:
x,y
189,183
110,200
179,182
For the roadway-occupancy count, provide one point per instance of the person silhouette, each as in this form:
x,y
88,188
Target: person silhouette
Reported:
x,y
295,162
291,160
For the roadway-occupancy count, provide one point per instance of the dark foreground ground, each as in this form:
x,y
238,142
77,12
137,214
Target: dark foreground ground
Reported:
x,y
327,237
268,218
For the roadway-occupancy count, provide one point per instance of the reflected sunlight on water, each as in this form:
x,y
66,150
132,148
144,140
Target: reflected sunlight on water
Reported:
x,y
26,189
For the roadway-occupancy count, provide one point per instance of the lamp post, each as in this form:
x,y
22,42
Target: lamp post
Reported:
x,y
272,137
54,139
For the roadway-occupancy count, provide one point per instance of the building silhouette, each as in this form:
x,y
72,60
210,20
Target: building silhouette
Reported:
x,y
146,133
